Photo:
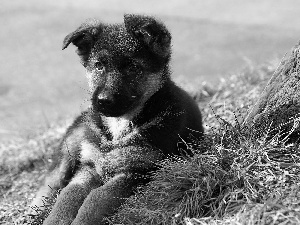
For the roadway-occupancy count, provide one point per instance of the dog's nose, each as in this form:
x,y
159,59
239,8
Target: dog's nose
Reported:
x,y
105,100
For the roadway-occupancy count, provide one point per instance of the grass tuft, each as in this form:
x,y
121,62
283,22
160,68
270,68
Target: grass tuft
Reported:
x,y
39,214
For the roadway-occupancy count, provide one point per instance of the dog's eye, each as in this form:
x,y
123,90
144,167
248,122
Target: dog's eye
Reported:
x,y
99,67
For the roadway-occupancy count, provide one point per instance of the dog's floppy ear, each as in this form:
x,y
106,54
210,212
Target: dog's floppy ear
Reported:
x,y
149,31
84,38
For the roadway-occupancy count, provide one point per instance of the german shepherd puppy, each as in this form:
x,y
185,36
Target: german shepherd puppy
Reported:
x,y
137,117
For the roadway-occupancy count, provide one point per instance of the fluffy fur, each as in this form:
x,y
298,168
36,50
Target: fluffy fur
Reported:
x,y
137,117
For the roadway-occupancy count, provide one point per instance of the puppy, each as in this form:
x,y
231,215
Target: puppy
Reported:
x,y
137,117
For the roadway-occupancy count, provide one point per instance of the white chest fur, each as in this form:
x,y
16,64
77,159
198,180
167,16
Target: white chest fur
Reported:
x,y
117,126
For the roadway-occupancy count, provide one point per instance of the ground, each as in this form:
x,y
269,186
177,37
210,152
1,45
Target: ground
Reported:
x,y
239,180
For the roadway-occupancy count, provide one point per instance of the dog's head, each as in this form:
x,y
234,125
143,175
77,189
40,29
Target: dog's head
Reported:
x,y
126,63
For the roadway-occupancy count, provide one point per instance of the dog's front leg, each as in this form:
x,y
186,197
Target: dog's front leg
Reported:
x,y
102,202
71,198
55,180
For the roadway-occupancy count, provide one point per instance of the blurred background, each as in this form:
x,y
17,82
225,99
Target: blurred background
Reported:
x,y
40,84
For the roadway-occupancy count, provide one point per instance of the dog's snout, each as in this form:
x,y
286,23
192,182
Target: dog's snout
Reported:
x,y
112,104
105,100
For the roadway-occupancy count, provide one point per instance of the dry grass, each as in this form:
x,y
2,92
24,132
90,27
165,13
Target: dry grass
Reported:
x,y
22,168
240,179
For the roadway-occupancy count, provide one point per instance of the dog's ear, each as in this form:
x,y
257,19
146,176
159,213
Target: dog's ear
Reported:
x,y
149,31
84,38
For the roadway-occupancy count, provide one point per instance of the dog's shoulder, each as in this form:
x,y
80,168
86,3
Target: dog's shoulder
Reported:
x,y
173,104
84,128
169,115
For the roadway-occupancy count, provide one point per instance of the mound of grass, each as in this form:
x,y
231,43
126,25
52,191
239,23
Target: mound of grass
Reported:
x,y
233,177
238,180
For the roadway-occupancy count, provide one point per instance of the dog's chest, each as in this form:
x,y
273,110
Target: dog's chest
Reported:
x,y
104,163
117,127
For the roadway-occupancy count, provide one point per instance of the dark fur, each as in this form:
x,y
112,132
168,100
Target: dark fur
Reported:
x,y
137,118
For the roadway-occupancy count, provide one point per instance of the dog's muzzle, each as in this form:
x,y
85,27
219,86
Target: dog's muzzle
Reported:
x,y
112,105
